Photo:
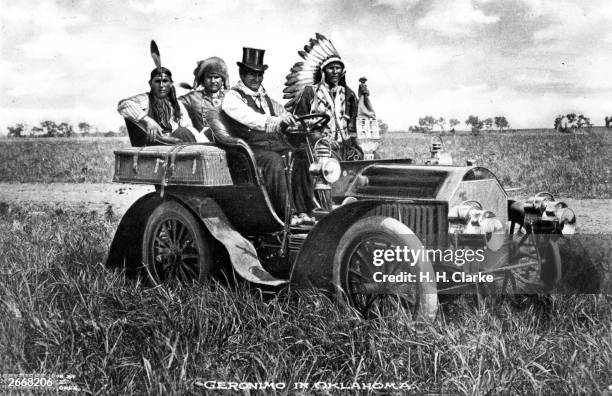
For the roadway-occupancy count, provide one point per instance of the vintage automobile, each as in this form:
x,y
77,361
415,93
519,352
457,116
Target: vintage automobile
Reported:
x,y
210,209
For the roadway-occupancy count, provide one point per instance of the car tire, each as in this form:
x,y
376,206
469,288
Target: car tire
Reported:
x,y
176,246
353,272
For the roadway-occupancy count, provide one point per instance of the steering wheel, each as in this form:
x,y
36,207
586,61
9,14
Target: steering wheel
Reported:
x,y
321,122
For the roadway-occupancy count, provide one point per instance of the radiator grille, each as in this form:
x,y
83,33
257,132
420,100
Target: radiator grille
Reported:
x,y
429,221
296,241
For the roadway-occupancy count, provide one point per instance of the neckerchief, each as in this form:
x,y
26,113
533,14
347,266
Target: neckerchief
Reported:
x,y
257,96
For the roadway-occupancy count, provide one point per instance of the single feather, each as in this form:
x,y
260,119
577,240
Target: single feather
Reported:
x,y
156,56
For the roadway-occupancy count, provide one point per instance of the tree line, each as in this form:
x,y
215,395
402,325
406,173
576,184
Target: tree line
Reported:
x,y
563,123
474,123
571,122
49,128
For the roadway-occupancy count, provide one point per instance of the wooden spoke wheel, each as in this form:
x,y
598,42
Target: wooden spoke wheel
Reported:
x,y
175,245
360,283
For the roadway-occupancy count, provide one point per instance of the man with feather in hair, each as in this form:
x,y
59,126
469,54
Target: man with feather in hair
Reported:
x,y
318,85
210,74
158,113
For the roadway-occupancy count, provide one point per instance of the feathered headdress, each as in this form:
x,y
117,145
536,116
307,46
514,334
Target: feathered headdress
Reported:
x,y
318,53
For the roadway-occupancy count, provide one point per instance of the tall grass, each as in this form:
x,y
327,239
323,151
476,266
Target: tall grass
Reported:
x,y
59,160
568,165
64,312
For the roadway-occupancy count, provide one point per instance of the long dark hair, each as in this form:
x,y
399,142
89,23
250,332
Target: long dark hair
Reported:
x,y
176,109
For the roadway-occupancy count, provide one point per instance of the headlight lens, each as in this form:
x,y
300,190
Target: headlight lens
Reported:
x,y
493,230
469,219
546,208
330,169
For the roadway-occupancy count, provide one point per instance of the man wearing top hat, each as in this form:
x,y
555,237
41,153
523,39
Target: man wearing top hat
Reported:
x,y
254,117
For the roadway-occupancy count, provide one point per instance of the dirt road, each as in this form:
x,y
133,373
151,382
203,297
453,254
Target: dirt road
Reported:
x,y
594,215
93,196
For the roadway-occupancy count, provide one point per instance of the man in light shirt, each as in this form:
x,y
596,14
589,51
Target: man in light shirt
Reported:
x,y
254,117
161,117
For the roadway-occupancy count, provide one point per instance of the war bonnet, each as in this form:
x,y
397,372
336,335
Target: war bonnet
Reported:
x,y
317,54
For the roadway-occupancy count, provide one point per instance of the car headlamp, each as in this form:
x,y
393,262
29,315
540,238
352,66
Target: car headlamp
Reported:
x,y
475,224
493,231
327,168
560,217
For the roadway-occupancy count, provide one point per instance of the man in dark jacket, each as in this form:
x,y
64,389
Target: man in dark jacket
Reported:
x,y
210,74
254,117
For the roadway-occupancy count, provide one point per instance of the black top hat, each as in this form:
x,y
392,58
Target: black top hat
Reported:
x,y
252,58
363,79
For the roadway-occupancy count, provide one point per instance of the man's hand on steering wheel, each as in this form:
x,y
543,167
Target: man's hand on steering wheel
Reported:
x,y
319,122
288,120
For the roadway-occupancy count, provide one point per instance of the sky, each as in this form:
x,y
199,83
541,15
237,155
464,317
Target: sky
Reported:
x,y
527,60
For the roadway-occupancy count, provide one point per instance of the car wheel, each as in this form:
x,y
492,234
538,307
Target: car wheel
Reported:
x,y
356,280
175,245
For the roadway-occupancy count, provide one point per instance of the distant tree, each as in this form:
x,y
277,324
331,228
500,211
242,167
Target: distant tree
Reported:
x,y
583,122
559,122
84,127
571,122
65,129
453,122
440,122
50,127
488,123
427,123
36,131
16,131
501,122
474,123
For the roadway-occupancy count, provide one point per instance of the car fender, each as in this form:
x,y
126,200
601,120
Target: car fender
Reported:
x,y
126,248
241,251
313,267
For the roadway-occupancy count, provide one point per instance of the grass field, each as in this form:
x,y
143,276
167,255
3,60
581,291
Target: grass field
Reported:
x,y
577,166
63,312
48,160
566,165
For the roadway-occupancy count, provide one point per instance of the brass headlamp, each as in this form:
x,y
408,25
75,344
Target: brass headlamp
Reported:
x,y
472,223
